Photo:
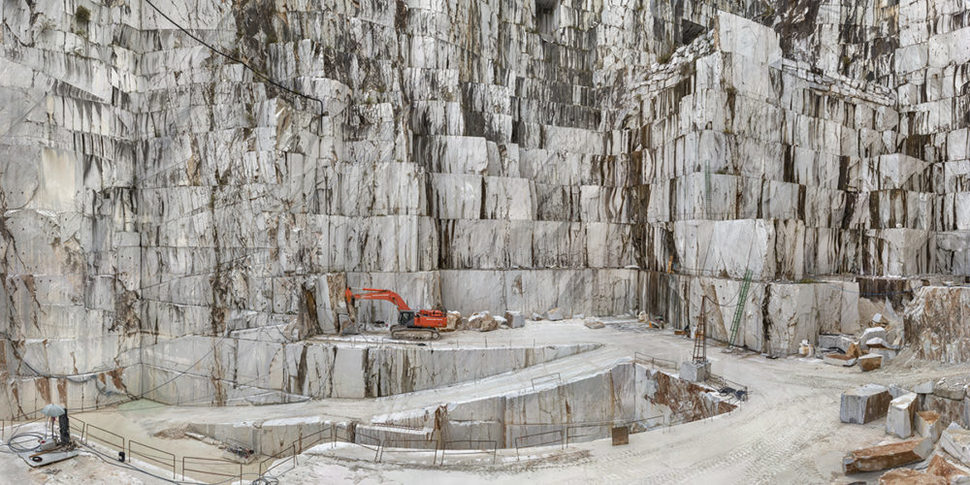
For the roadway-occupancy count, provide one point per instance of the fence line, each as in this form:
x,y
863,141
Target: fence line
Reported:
x,y
154,455
206,465
554,377
557,432
740,391
291,457
470,451
385,444
105,437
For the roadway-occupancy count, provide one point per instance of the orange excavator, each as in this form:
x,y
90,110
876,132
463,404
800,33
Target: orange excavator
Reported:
x,y
412,324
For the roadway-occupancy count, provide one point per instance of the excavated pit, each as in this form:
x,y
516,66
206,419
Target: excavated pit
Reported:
x,y
546,410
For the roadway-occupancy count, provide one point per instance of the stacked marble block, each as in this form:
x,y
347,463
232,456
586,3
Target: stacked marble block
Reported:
x,y
261,367
757,169
70,242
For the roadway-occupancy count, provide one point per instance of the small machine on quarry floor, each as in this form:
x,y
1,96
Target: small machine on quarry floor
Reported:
x,y
412,324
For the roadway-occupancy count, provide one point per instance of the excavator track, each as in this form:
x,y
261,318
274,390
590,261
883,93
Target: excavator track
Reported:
x,y
400,332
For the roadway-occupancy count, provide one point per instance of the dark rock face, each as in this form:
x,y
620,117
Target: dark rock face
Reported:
x,y
472,155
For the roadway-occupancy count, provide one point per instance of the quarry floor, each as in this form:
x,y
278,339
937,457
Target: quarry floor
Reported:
x,y
787,432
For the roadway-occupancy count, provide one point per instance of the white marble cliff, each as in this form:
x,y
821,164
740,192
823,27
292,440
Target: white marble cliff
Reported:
x,y
600,156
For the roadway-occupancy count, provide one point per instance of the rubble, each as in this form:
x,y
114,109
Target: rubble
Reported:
x,y
881,457
870,362
594,324
805,349
864,404
899,419
483,322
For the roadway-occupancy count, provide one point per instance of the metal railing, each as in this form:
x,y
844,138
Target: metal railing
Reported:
x,y
375,445
390,443
155,456
554,377
223,470
544,438
108,438
740,391
654,361
471,450
305,442
281,458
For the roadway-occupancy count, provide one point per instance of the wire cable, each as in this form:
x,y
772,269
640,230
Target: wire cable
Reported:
x,y
232,58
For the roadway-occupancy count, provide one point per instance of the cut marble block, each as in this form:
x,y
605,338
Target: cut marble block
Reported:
x,y
899,418
864,404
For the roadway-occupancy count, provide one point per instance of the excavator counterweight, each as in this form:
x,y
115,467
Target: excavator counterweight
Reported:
x,y
412,324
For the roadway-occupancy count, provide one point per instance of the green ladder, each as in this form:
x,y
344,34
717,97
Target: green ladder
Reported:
x,y
739,309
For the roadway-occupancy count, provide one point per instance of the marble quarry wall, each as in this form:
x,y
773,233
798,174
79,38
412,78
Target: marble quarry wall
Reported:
x,y
602,156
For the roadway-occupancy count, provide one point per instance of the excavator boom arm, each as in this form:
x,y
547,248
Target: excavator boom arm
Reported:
x,y
376,294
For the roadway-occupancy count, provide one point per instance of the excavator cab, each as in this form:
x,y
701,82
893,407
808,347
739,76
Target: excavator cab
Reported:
x,y
405,318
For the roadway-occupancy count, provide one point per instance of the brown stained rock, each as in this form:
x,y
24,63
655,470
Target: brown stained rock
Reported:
x,y
940,467
838,360
854,350
685,399
864,404
881,457
870,362
454,318
949,410
908,476
594,324
928,425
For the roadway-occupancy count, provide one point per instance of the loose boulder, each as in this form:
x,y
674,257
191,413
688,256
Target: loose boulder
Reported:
x,y
887,456
870,362
454,318
864,404
925,387
871,333
594,324
515,319
951,388
899,420
554,314
840,360
483,322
